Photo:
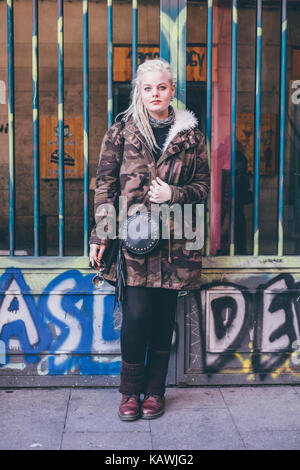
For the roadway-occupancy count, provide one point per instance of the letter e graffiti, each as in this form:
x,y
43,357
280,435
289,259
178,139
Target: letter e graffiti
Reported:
x,y
2,353
296,355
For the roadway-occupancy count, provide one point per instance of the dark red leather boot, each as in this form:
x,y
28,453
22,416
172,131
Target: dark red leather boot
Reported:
x,y
129,409
153,406
132,378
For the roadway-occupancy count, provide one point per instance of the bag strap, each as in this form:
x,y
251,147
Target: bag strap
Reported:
x,y
121,272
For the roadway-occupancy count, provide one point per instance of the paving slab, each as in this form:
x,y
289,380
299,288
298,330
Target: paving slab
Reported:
x,y
240,395
190,398
195,429
262,417
272,440
96,410
263,408
297,389
131,440
32,418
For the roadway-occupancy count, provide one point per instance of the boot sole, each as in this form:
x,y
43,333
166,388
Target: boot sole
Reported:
x,y
129,418
156,415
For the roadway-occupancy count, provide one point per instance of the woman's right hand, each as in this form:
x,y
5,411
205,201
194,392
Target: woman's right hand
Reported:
x,y
96,253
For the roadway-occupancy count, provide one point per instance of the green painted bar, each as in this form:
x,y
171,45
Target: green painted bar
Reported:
x,y
134,37
233,121
109,63
208,113
11,123
282,127
60,33
257,126
86,125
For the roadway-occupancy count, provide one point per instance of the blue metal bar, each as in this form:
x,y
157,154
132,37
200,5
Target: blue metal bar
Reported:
x,y
208,112
60,30
181,64
233,121
35,118
86,125
165,26
257,126
109,63
11,123
282,127
134,37
173,43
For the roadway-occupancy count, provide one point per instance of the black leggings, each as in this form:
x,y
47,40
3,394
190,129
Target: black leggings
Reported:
x,y
148,320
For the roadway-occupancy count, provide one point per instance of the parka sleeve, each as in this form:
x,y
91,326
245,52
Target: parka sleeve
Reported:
x,y
197,189
107,177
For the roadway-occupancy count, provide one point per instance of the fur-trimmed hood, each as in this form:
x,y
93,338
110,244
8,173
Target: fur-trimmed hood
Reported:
x,y
184,121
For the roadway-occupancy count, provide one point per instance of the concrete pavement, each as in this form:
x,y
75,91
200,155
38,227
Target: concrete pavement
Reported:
x,y
261,417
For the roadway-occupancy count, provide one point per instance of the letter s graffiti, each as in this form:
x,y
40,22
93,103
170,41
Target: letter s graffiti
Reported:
x,y
296,94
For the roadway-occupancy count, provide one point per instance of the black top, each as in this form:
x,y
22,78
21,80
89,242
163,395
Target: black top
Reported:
x,y
160,134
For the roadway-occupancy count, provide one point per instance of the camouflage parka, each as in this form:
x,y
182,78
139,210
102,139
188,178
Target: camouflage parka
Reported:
x,y
172,265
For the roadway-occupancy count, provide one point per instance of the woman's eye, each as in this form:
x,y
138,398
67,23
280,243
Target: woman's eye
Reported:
x,y
147,88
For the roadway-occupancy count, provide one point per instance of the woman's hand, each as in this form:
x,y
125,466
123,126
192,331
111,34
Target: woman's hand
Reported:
x,y
159,191
96,253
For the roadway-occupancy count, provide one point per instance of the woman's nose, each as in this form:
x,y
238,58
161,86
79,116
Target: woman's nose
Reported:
x,y
155,92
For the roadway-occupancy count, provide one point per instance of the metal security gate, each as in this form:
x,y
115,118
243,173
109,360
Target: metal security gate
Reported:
x,y
244,326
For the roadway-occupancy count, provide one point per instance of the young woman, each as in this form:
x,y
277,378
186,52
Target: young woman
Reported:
x,y
154,135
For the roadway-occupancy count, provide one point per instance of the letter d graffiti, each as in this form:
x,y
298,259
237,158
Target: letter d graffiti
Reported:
x,y
2,353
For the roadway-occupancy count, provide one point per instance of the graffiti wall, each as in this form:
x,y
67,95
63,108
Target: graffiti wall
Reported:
x,y
244,329
67,328
239,328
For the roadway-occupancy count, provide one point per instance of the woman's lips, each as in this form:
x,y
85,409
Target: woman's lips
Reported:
x,y
155,102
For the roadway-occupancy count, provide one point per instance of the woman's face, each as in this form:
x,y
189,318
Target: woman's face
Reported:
x,y
156,93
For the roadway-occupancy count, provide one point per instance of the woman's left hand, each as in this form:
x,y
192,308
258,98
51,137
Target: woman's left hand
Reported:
x,y
159,191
